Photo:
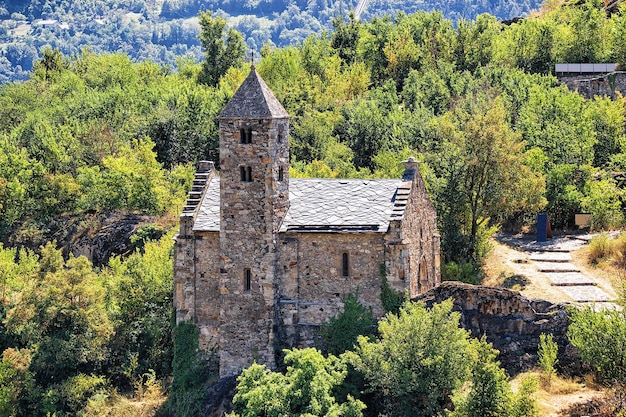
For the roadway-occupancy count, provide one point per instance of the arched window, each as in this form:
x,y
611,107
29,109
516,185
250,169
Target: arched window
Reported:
x,y
345,264
247,279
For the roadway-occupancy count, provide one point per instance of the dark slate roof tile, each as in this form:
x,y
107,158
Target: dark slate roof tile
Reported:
x,y
323,204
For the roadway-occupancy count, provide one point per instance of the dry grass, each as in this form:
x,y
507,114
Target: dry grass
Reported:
x,y
560,394
147,400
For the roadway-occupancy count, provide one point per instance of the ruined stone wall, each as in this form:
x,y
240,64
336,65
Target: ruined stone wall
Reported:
x,y
312,284
251,213
590,85
510,321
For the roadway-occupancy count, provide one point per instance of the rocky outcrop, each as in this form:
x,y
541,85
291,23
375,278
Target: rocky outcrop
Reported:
x,y
98,236
219,399
510,321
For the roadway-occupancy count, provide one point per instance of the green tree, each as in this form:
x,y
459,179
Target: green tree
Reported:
x,y
483,177
222,49
61,317
306,389
422,356
490,394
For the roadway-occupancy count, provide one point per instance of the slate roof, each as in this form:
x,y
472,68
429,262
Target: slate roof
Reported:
x,y
325,205
253,100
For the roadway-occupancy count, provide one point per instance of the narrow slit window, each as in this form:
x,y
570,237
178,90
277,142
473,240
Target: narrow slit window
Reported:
x,y
245,135
247,279
345,264
280,174
245,174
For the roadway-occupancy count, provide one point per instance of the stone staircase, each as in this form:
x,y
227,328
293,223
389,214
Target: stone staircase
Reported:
x,y
555,263
200,182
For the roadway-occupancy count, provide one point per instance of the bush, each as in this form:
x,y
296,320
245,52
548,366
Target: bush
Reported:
x,y
600,337
341,332
490,393
547,351
190,373
524,402
599,248
462,271
421,358
306,389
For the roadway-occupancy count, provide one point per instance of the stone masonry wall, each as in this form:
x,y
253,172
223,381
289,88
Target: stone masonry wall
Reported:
x,y
510,321
185,247
413,242
590,85
207,309
312,284
251,213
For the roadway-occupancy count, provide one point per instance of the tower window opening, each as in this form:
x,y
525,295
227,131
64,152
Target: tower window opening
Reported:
x,y
280,174
345,264
245,174
247,279
245,135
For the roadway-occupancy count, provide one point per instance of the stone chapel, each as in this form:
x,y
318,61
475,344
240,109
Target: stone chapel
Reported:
x,y
262,260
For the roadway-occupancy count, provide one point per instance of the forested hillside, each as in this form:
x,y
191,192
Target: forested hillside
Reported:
x,y
163,31
498,139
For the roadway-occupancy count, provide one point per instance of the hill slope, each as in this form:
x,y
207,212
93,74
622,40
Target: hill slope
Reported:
x,y
164,30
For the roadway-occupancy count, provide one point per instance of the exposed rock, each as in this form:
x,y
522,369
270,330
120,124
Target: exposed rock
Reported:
x,y
219,399
98,236
510,321
109,236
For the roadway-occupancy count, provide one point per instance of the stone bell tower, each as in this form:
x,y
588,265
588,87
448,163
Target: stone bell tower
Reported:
x,y
254,198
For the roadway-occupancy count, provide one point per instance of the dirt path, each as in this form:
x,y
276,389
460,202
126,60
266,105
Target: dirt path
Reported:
x,y
517,264
554,271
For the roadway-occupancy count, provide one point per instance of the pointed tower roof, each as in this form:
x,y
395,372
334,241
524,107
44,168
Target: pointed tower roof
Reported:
x,y
253,100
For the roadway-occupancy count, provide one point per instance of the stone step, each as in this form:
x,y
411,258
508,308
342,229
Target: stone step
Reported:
x,y
586,294
556,267
602,306
568,278
550,257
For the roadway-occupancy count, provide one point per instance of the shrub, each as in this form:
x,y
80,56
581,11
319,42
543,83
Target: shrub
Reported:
x,y
421,358
306,389
462,271
547,351
524,402
341,332
490,393
599,248
190,373
600,337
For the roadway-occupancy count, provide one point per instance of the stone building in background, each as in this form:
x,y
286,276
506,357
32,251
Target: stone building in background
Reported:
x,y
262,260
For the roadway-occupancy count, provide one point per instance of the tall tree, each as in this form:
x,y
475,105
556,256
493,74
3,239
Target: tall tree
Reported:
x,y
484,174
222,48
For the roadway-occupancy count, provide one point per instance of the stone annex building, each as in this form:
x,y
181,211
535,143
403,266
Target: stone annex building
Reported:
x,y
262,260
